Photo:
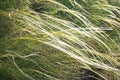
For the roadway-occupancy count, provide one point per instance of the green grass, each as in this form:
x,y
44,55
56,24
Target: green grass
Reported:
x,y
47,40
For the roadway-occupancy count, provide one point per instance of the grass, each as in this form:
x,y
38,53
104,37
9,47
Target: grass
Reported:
x,y
47,40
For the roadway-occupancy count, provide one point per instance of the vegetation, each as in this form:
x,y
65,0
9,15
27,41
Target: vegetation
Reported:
x,y
59,40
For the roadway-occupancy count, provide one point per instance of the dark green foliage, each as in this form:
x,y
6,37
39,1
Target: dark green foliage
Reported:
x,y
9,5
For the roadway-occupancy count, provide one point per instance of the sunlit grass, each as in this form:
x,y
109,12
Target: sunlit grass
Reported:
x,y
49,41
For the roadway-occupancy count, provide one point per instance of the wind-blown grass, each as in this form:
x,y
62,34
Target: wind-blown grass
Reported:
x,y
48,40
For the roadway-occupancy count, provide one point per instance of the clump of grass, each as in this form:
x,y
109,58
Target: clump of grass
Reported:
x,y
59,40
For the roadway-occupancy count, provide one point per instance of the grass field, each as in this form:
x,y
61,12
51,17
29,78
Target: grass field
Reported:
x,y
60,40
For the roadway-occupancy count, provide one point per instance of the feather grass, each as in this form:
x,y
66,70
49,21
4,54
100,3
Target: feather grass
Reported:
x,y
29,35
